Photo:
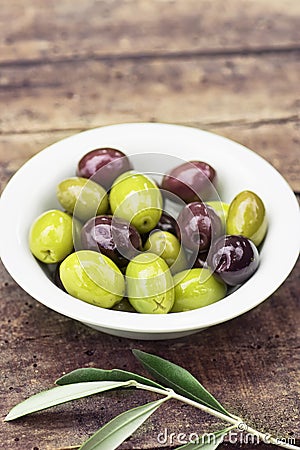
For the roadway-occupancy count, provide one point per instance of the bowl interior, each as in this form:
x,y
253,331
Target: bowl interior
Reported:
x,y
154,148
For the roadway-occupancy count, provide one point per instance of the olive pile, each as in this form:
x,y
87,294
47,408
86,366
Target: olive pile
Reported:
x,y
114,246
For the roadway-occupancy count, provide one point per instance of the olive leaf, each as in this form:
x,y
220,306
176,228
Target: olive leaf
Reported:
x,y
208,441
93,374
61,394
112,434
184,387
179,379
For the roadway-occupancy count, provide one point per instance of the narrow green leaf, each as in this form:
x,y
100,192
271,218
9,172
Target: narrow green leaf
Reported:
x,y
179,379
61,394
208,441
93,374
112,434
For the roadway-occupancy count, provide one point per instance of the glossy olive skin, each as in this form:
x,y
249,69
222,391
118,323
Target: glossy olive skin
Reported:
x,y
247,217
93,278
104,165
168,223
190,181
113,237
77,227
81,197
199,224
167,246
165,223
198,261
137,199
149,284
195,289
51,237
234,259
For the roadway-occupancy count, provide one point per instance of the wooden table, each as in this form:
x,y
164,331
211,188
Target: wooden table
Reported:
x,y
229,67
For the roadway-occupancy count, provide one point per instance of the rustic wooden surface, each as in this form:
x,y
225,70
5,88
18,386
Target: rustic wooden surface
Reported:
x,y
229,67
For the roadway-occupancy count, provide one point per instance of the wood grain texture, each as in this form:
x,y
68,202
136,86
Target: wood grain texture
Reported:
x,y
52,30
77,95
277,142
249,363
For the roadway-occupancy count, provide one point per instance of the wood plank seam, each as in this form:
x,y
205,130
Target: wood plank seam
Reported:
x,y
231,123
245,52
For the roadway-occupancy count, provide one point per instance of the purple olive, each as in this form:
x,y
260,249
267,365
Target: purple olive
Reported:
x,y
199,224
165,223
113,237
168,223
103,165
234,259
190,181
198,261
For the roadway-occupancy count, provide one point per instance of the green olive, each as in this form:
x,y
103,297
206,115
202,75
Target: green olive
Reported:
x,y
247,217
196,288
50,236
93,278
149,284
83,198
77,227
167,246
221,209
136,198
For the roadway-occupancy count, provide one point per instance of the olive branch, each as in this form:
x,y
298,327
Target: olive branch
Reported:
x,y
173,382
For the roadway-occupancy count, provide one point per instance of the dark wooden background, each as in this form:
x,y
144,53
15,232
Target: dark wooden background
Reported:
x,y
229,67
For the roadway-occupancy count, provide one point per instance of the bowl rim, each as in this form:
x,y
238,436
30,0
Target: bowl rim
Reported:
x,y
44,291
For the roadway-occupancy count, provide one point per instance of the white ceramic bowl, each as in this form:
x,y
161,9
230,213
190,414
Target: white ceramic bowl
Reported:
x,y
31,191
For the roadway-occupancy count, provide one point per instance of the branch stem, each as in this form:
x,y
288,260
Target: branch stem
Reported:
x,y
234,420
